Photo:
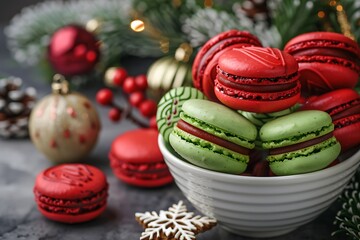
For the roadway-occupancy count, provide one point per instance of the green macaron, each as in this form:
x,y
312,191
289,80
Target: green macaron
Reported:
x,y
212,136
170,107
300,142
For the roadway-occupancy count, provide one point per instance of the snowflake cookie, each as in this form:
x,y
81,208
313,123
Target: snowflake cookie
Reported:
x,y
174,224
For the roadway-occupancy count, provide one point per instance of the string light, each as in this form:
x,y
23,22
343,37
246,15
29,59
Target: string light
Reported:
x,y
137,25
342,19
321,14
208,3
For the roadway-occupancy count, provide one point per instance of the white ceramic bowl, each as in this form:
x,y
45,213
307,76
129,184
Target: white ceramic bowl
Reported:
x,y
260,206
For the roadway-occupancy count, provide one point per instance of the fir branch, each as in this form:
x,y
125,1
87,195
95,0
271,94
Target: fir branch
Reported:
x,y
348,217
29,31
206,23
292,18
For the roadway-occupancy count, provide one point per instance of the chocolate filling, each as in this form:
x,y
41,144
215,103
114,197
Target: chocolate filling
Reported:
x,y
334,52
344,110
72,207
211,138
257,88
301,145
258,81
343,122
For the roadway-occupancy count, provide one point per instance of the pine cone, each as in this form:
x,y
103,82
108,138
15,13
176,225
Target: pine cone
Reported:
x,y
15,107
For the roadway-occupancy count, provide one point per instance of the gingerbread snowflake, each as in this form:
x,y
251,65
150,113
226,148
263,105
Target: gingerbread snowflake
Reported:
x,y
176,223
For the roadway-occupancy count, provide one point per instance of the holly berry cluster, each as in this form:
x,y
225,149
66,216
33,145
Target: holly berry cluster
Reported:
x,y
134,89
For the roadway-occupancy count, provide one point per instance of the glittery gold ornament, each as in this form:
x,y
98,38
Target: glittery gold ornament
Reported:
x,y
64,125
167,73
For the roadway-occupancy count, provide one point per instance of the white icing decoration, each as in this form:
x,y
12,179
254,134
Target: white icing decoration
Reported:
x,y
176,223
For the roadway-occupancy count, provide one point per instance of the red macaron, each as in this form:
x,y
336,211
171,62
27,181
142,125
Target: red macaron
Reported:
x,y
204,67
136,159
343,105
256,79
71,193
327,61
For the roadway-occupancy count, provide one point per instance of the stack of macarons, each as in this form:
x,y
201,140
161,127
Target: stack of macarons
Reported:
x,y
265,97
204,67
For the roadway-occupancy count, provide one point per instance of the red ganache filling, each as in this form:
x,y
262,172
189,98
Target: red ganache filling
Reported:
x,y
335,46
260,89
145,171
329,59
70,206
344,110
343,122
211,138
334,52
301,145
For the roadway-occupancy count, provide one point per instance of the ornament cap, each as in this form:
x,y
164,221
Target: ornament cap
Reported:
x,y
60,85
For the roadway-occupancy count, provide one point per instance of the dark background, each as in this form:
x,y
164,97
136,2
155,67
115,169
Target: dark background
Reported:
x,y
8,8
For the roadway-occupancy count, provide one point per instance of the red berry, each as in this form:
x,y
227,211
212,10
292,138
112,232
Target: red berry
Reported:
x,y
136,98
152,122
104,96
148,108
129,85
120,76
114,114
141,82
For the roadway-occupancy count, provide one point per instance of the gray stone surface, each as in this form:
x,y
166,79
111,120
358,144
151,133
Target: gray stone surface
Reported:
x,y
20,163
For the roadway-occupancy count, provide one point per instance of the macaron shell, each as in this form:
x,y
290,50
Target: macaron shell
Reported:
x,y
330,100
305,164
70,181
221,117
137,146
208,158
319,78
255,105
284,129
259,119
215,45
322,39
170,107
348,136
257,62
210,72
65,218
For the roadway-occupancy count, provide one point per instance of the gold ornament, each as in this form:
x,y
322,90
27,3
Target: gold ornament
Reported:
x,y
64,125
183,53
165,74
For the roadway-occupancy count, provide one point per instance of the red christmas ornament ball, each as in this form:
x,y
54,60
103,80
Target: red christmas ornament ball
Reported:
x,y
73,51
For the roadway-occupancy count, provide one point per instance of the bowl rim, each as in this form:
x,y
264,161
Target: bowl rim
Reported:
x,y
324,173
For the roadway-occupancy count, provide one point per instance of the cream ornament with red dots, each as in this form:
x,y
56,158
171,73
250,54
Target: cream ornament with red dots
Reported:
x,y
64,125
